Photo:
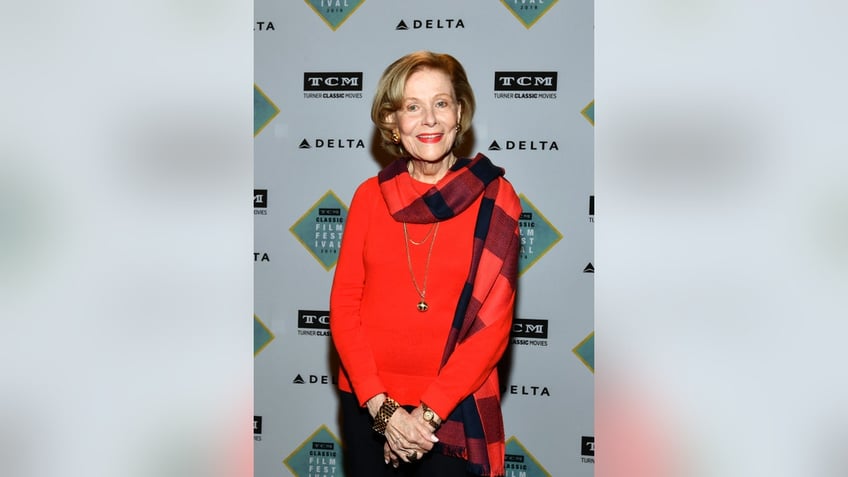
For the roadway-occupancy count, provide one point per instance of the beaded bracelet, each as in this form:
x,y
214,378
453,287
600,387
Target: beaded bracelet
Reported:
x,y
381,420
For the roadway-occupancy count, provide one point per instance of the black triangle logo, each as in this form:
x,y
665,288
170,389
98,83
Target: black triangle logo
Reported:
x,y
589,268
304,145
401,26
298,380
494,146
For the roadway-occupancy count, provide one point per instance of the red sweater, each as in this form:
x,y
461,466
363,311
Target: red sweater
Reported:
x,y
384,342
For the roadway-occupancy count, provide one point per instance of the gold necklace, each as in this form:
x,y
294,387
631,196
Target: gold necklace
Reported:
x,y
413,242
422,291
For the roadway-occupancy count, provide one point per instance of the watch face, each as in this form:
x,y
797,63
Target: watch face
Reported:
x,y
428,415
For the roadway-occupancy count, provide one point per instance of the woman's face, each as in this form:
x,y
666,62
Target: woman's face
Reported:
x,y
428,115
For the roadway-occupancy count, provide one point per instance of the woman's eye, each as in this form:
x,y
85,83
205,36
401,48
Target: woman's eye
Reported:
x,y
412,107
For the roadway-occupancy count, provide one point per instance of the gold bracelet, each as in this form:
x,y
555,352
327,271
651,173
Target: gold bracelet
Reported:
x,y
381,420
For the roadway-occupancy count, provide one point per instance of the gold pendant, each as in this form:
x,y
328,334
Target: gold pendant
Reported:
x,y
422,306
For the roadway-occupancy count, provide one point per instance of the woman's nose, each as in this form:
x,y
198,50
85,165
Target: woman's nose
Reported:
x,y
429,117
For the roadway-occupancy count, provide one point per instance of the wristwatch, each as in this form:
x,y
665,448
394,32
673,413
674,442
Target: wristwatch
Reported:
x,y
430,416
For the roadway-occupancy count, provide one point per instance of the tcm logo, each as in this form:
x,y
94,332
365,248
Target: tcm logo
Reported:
x,y
332,81
587,446
592,208
260,198
257,428
311,319
525,81
537,329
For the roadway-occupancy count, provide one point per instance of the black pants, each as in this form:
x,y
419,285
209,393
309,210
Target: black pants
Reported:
x,y
363,452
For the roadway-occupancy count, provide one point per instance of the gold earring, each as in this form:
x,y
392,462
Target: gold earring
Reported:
x,y
458,128
395,137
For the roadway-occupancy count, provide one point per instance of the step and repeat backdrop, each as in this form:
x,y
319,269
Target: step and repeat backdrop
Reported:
x,y
317,63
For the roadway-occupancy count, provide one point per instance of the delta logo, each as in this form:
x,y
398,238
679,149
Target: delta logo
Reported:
x,y
334,12
528,390
264,26
528,12
315,379
431,24
332,143
332,85
524,145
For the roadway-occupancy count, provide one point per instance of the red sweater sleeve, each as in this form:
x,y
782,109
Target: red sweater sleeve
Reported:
x,y
346,295
472,361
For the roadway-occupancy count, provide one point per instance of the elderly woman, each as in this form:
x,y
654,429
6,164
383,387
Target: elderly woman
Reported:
x,y
423,295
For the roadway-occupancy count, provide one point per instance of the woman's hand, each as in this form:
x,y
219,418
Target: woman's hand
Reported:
x,y
374,404
389,456
408,436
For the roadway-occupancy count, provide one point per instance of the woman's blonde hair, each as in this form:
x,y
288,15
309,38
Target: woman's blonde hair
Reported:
x,y
389,95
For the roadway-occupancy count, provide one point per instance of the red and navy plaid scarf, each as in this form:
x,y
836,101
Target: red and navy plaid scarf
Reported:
x,y
474,430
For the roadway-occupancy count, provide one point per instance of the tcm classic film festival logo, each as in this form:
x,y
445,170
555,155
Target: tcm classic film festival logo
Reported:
x,y
320,455
538,235
519,462
320,229
264,110
528,12
262,336
334,12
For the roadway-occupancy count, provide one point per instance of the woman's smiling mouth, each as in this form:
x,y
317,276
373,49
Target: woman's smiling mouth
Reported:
x,y
430,138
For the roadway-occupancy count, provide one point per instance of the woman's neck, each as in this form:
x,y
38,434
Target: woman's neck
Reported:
x,y
430,172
